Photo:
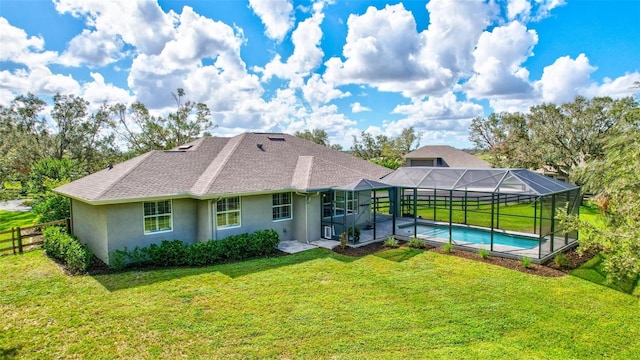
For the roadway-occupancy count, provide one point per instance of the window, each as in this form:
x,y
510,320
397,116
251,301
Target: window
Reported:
x,y
157,216
345,200
326,205
281,206
228,212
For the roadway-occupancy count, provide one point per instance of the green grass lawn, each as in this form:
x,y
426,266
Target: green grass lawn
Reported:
x,y
514,217
11,219
403,303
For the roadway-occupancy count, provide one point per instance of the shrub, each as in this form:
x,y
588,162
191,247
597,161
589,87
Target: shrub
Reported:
x,y
343,240
177,253
59,245
416,243
447,248
526,262
354,231
391,242
561,260
484,253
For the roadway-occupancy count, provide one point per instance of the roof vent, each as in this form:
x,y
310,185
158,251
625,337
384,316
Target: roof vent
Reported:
x,y
274,138
260,146
185,147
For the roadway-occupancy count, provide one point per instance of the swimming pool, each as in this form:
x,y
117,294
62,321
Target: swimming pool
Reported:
x,y
477,236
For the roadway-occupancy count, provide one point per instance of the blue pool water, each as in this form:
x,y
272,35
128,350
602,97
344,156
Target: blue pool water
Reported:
x,y
477,236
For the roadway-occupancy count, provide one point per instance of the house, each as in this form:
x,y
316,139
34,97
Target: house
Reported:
x,y
215,187
444,156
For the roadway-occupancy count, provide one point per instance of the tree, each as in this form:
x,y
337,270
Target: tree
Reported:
x,y
615,179
406,142
367,146
143,132
24,138
383,150
47,174
318,136
505,137
560,138
573,133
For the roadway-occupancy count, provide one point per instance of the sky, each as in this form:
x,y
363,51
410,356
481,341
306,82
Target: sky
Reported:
x,y
342,66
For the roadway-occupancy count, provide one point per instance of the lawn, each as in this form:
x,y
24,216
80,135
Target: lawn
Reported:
x,y
11,219
403,303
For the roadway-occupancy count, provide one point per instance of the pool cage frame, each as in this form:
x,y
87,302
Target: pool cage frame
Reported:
x,y
365,204
482,199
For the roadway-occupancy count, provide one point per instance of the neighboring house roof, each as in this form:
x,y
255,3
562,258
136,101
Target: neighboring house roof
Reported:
x,y
215,166
452,156
508,181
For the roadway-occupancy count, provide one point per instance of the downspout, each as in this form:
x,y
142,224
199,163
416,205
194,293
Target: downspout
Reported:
x,y
307,200
212,225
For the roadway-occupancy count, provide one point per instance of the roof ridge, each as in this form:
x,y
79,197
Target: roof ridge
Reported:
x,y
224,155
143,157
303,169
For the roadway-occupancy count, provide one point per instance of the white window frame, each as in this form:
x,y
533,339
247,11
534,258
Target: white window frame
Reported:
x,y
157,216
239,211
289,205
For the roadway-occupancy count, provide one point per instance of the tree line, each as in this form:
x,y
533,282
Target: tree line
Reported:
x,y
46,146
596,144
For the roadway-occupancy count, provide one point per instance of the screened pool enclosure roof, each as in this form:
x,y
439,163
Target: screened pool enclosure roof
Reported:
x,y
362,185
508,181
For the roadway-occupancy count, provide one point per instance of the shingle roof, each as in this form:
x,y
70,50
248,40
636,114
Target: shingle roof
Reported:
x,y
452,156
216,166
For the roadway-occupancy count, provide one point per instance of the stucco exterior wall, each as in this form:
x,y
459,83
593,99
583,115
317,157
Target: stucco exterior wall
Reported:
x,y
205,224
256,214
125,226
90,226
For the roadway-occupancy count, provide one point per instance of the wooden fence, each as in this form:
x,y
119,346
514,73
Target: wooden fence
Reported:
x,y
25,238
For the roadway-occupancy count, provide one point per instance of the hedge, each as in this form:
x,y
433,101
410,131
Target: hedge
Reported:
x,y
178,253
59,245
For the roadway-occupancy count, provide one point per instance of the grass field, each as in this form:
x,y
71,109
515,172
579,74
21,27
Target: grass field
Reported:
x,y
403,303
11,219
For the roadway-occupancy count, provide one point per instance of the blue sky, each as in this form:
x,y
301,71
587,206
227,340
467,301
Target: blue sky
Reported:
x,y
343,66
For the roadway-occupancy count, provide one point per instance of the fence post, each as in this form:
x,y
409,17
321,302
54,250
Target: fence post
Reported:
x,y
13,240
19,240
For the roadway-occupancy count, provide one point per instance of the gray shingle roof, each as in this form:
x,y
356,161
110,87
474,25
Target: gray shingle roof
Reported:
x,y
452,156
215,166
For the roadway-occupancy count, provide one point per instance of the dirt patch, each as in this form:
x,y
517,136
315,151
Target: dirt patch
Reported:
x,y
549,269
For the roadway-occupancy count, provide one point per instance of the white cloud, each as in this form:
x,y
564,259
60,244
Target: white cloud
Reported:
x,y
563,80
518,9
276,15
93,48
545,7
384,49
140,23
357,108
98,92
307,54
445,107
498,67
180,64
317,91
38,80
619,87
20,48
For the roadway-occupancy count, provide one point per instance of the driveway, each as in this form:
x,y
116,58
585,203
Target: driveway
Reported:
x,y
13,205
